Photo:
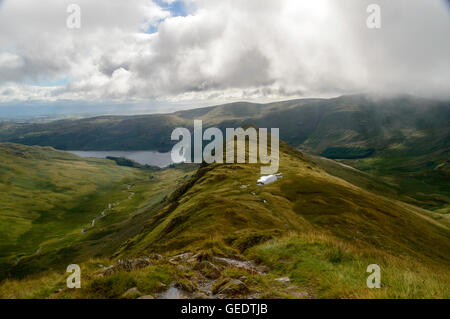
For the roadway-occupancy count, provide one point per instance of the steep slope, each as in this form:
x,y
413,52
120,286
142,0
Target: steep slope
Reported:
x,y
223,203
50,199
308,234
386,187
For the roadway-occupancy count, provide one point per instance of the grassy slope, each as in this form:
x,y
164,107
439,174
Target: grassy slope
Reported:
x,y
41,191
305,198
422,177
382,186
328,232
319,230
48,196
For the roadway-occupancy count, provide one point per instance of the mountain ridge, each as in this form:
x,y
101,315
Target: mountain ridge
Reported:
x,y
219,234
403,139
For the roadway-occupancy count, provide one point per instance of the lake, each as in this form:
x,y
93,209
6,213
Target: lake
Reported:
x,y
142,157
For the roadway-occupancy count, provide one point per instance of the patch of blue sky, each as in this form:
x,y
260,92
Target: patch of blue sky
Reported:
x,y
176,8
49,82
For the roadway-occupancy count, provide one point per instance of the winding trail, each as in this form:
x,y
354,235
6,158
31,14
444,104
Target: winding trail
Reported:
x,y
83,230
110,207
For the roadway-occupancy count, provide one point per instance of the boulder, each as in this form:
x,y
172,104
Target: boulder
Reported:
x,y
230,288
185,286
133,264
208,269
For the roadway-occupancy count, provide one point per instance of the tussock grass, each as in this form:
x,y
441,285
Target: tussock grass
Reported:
x,y
333,269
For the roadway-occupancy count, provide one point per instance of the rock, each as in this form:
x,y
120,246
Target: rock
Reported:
x,y
180,257
146,297
299,294
202,256
131,293
133,264
105,271
155,257
208,269
185,286
231,288
247,265
182,268
124,265
262,269
284,280
172,293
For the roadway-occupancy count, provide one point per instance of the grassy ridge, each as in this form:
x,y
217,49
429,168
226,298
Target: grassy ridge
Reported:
x,y
305,198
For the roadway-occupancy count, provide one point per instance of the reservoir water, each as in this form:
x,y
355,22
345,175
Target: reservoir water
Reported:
x,y
142,157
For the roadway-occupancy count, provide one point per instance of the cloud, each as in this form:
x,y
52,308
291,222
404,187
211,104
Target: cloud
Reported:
x,y
215,50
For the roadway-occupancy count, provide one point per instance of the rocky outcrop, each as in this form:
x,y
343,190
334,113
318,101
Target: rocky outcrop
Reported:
x,y
128,265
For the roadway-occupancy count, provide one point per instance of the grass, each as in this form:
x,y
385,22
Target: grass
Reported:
x,y
318,265
215,207
333,269
320,230
150,280
60,194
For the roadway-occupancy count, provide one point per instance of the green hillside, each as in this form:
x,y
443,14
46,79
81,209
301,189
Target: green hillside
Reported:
x,y
404,139
49,196
408,123
221,235
305,197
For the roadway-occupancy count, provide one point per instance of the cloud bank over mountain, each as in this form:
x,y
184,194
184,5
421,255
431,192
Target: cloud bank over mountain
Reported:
x,y
154,52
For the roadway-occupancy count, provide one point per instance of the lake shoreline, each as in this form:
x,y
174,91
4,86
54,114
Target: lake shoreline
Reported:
x,y
153,158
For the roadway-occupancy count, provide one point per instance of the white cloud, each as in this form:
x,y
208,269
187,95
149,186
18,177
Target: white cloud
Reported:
x,y
222,50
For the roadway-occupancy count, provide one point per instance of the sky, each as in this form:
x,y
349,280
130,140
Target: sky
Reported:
x,y
143,56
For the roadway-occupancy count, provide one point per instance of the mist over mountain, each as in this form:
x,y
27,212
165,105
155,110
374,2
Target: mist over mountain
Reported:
x,y
405,138
357,121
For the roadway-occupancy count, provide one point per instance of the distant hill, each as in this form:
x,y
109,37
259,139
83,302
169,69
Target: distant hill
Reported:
x,y
313,124
404,139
